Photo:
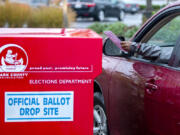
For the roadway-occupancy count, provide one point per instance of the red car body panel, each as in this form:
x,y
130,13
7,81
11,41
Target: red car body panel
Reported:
x,y
132,114
122,101
141,98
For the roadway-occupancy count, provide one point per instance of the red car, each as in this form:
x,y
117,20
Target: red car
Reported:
x,y
136,96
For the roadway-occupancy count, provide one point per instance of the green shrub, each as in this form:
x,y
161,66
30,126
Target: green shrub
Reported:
x,y
16,14
142,7
118,28
98,27
131,31
154,7
158,7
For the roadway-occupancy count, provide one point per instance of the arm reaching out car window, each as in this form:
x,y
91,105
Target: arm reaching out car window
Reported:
x,y
147,51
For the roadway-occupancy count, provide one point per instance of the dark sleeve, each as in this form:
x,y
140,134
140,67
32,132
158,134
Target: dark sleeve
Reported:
x,y
151,52
146,50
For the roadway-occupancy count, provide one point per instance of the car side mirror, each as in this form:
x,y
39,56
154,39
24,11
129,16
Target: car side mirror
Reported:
x,y
110,49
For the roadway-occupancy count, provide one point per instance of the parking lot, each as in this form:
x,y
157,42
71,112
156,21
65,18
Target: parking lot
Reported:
x,y
129,19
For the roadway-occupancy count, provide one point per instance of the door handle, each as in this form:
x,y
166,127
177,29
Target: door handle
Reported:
x,y
151,86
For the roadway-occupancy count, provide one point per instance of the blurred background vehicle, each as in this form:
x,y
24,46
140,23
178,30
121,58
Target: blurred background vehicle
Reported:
x,y
97,9
130,6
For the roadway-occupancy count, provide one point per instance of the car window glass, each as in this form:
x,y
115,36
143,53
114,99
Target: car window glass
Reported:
x,y
165,38
167,35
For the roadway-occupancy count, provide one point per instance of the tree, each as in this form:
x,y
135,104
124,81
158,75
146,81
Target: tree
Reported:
x,y
65,10
148,12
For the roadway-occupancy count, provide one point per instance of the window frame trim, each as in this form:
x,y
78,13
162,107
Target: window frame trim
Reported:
x,y
154,63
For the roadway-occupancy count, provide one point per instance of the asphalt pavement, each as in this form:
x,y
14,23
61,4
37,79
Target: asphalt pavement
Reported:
x,y
129,19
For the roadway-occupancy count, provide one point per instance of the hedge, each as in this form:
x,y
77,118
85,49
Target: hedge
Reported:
x,y
120,29
17,15
154,7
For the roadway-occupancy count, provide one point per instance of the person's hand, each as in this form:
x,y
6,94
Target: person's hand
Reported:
x,y
126,45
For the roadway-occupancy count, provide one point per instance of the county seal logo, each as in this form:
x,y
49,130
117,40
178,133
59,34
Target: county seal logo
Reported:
x,y
13,58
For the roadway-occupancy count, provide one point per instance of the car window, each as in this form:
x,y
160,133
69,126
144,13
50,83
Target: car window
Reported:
x,y
165,38
168,34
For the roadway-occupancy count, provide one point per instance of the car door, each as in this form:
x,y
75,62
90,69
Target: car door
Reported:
x,y
144,94
174,99
162,82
